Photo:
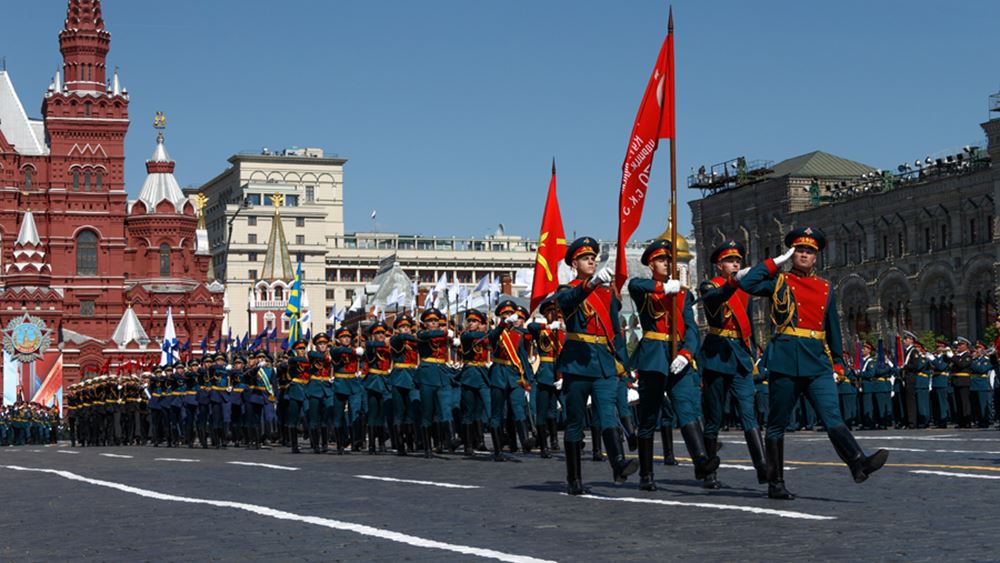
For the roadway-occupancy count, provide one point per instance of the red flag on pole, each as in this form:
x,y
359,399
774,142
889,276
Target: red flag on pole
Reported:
x,y
655,121
551,247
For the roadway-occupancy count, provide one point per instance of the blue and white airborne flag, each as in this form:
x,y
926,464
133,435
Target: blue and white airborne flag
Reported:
x,y
169,340
294,306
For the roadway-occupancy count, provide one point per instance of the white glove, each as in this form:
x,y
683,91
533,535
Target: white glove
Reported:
x,y
451,333
603,277
359,351
784,257
671,287
510,319
556,325
558,385
741,273
456,342
949,353
678,365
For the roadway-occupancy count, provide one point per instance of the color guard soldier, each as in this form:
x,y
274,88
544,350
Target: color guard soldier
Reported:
x,y
298,380
508,377
727,356
431,379
347,390
378,366
219,401
319,392
592,360
660,371
803,354
549,339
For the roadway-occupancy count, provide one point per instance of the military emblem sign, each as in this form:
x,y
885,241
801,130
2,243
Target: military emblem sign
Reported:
x,y
26,338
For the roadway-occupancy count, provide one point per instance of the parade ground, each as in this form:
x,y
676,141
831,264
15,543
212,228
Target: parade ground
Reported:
x,y
932,501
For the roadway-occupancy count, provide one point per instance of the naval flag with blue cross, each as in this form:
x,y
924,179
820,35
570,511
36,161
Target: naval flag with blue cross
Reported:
x,y
294,306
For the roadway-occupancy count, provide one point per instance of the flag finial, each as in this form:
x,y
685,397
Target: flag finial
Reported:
x,y
670,19
553,166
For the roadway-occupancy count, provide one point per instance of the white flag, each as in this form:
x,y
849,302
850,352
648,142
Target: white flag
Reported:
x,y
373,214
333,314
482,284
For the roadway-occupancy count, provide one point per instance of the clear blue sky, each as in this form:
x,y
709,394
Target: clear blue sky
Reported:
x,y
451,111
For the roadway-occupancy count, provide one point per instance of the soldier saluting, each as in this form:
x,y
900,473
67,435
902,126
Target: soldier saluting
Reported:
x,y
803,354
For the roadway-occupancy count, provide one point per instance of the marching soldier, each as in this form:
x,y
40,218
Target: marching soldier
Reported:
x,y
402,381
378,363
727,356
923,383
508,377
960,364
593,358
219,401
296,395
549,339
319,392
431,379
912,362
474,348
848,393
190,401
979,386
660,371
805,350
347,390
940,365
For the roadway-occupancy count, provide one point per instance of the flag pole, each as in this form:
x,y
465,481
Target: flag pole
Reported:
x,y
673,210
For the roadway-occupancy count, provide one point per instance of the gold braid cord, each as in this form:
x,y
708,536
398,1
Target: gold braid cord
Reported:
x,y
782,305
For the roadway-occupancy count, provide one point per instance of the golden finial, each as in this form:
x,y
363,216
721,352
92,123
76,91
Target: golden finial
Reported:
x,y
159,120
200,200
277,200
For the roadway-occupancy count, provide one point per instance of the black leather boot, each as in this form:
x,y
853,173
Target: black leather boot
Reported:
x,y
711,481
848,449
573,471
480,442
543,444
756,447
630,436
646,481
427,442
553,431
324,439
371,440
450,443
497,440
294,439
357,435
399,441
595,438
468,447
775,452
341,436
524,435
314,440
667,438
621,468
695,442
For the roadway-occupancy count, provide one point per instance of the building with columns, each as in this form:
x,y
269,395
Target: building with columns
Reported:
x,y
74,252
914,248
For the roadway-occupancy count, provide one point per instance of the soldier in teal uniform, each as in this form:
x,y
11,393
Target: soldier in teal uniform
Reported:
x,y
319,393
347,390
866,373
940,369
660,370
848,394
548,338
803,354
509,377
592,359
405,359
979,386
298,381
377,367
726,358
960,365
431,377
474,351
922,386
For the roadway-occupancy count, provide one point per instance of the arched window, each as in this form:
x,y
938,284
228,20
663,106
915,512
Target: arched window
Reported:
x,y
86,180
76,179
279,293
86,109
164,259
27,179
99,175
86,254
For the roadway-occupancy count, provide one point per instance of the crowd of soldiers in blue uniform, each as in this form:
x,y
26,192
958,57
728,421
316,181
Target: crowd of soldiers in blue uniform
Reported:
x,y
28,424
433,387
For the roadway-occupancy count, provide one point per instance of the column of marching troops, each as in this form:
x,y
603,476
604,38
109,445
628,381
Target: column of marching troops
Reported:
x,y
423,387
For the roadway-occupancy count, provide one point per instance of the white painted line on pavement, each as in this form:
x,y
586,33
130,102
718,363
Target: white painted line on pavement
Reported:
x,y
282,515
117,456
734,466
735,507
267,465
415,482
917,438
950,474
67,452
941,451
180,459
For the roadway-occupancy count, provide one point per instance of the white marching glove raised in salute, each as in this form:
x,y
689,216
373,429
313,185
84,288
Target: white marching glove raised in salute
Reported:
x,y
741,273
359,351
671,287
678,365
510,319
556,325
784,257
603,277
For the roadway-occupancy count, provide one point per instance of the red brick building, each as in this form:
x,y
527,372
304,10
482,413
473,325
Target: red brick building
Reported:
x,y
89,255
